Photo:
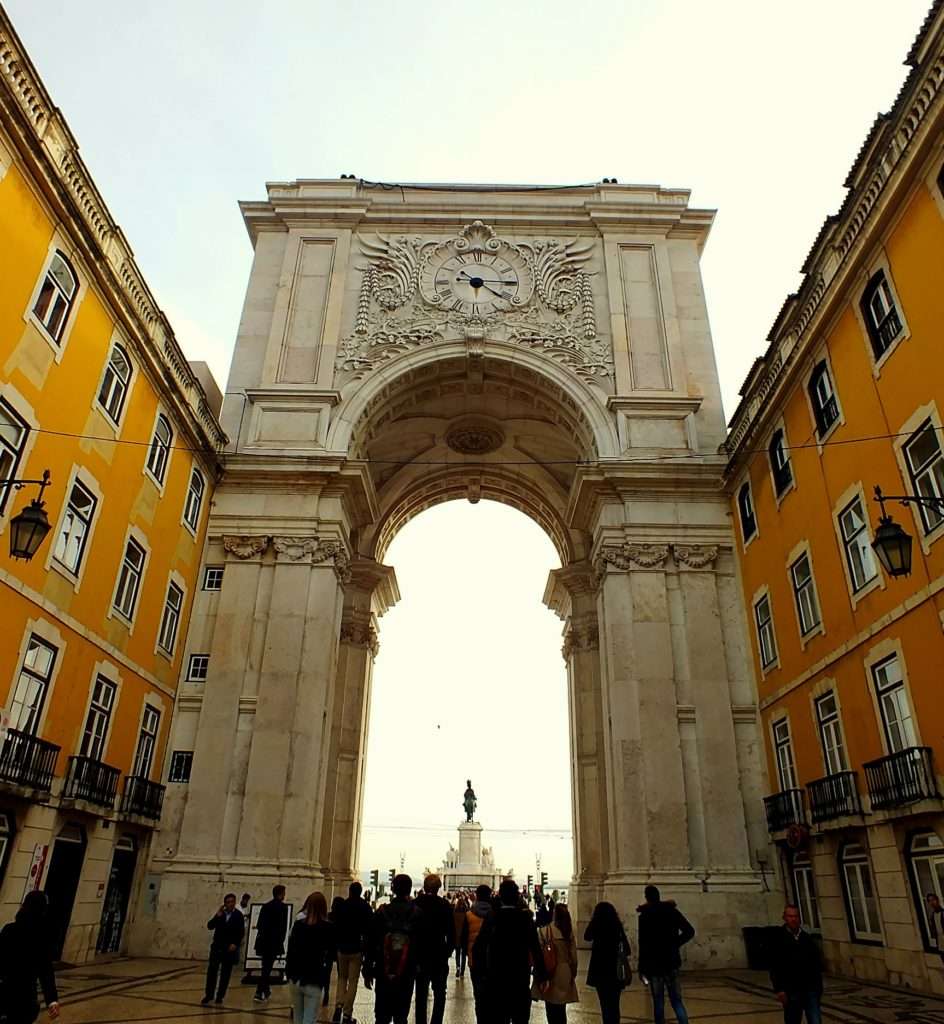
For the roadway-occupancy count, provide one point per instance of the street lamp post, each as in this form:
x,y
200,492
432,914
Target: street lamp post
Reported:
x,y
28,529
892,544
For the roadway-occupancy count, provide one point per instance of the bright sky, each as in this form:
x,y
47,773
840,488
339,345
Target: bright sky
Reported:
x,y
185,106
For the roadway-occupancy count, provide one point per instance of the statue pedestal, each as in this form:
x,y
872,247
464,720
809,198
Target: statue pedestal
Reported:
x,y
468,866
470,845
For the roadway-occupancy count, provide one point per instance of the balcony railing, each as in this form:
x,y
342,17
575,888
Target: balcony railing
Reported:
x,y
27,760
890,327
835,796
785,809
901,779
92,781
141,796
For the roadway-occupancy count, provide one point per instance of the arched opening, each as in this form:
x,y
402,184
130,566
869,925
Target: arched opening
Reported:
x,y
469,684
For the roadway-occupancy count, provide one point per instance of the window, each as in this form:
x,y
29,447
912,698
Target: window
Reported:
x,y
830,734
746,511
780,462
56,297
823,398
894,706
783,749
197,667
129,579
194,500
805,594
213,577
70,544
170,619
29,694
13,433
854,527
926,466
926,861
98,720
861,904
147,743
181,762
880,314
159,452
765,631
114,388
804,891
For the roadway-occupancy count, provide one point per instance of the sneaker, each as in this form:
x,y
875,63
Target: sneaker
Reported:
x,y
205,1001
258,998
219,1002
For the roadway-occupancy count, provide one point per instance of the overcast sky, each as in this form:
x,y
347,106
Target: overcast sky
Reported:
x,y
182,107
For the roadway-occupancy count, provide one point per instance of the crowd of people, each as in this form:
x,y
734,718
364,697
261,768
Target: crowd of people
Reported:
x,y
514,955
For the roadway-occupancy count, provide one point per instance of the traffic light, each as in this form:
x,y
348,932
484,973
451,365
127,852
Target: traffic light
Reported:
x,y
530,882
391,875
543,880
375,879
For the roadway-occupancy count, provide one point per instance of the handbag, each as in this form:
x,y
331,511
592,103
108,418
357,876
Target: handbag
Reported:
x,y
548,951
624,973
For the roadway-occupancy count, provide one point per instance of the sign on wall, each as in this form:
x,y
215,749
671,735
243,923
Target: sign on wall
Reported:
x,y
34,876
253,962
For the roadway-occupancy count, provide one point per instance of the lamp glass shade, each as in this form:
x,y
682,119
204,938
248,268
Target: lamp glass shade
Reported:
x,y
28,530
893,547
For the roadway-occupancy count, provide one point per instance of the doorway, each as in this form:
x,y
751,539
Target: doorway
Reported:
x,y
117,896
62,882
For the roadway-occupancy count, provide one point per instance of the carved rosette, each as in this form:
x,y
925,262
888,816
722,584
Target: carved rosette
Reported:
x,y
583,634
359,631
244,548
624,557
695,556
294,549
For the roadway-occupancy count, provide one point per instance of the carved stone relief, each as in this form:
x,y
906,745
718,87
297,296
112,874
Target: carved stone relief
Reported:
x,y
629,556
583,634
695,556
358,631
245,548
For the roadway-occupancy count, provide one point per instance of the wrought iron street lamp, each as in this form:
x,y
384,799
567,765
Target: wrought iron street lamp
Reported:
x,y
892,544
29,527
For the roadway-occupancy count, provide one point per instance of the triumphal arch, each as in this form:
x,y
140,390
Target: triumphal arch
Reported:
x,y
402,346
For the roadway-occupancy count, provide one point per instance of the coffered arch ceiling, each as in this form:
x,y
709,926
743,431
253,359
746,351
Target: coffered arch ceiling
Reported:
x,y
496,430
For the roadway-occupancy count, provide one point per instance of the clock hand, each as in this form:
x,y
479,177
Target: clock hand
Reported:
x,y
485,281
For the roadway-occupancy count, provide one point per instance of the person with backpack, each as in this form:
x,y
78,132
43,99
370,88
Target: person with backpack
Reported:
x,y
352,919
471,927
608,971
459,911
310,958
435,941
559,947
271,928
505,950
391,958
663,931
26,961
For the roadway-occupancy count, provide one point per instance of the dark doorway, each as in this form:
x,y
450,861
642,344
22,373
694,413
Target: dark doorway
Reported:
x,y
62,881
117,896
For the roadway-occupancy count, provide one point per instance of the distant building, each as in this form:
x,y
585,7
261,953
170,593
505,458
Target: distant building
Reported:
x,y
850,395
93,387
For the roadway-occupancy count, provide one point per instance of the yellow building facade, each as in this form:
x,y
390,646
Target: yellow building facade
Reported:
x,y
93,388
849,396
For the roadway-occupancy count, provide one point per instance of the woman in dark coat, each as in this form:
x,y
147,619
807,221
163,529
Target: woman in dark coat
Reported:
x,y
607,972
25,961
310,957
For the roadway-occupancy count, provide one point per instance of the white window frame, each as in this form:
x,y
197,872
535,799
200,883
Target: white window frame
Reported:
x,y
824,360
194,527
764,595
57,342
47,632
135,535
864,918
852,494
207,569
148,709
183,755
79,475
891,689
175,584
14,453
782,746
930,472
905,433
784,449
7,826
23,411
33,703
70,516
804,890
832,740
118,346
154,448
746,539
101,711
196,662
880,264
805,596
927,848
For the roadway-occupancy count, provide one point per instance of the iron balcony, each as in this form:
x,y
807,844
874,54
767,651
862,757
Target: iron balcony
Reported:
x,y
92,781
142,797
902,778
834,796
26,760
785,809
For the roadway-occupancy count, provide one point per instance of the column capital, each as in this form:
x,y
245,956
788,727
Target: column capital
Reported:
x,y
357,630
626,557
376,580
245,548
566,584
314,550
582,634
695,556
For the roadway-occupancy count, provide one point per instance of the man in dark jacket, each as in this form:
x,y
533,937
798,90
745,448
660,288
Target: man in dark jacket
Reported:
x,y
474,920
352,927
26,960
435,941
391,956
662,933
228,926
271,928
504,951
796,971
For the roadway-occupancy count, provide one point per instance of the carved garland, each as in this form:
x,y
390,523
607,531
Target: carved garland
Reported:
x,y
694,556
244,548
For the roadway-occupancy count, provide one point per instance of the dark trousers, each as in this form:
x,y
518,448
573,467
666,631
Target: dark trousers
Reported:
x,y
556,1013
609,1004
800,1003
480,995
220,964
509,1003
431,976
265,973
392,1002
461,958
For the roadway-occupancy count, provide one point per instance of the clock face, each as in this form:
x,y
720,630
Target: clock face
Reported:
x,y
475,283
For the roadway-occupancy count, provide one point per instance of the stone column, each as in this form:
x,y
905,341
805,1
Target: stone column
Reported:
x,y
283,782
370,591
203,820
649,817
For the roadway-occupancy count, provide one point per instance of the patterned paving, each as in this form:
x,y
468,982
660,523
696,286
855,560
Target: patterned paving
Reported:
x,y
169,992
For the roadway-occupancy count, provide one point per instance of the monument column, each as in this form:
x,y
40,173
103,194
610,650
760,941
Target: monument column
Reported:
x,y
371,590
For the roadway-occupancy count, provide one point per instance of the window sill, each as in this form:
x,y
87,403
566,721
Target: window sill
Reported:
x,y
807,638
74,578
57,346
823,439
781,496
120,617
857,596
158,484
878,362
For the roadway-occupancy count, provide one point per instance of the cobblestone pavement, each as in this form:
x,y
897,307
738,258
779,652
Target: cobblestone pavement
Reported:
x,y
169,992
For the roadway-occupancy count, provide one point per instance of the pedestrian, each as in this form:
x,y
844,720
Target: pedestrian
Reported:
x,y
352,922
26,960
460,909
542,913
796,971
608,971
474,920
506,948
310,957
228,926
663,931
435,941
935,914
559,946
245,906
390,959
271,929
